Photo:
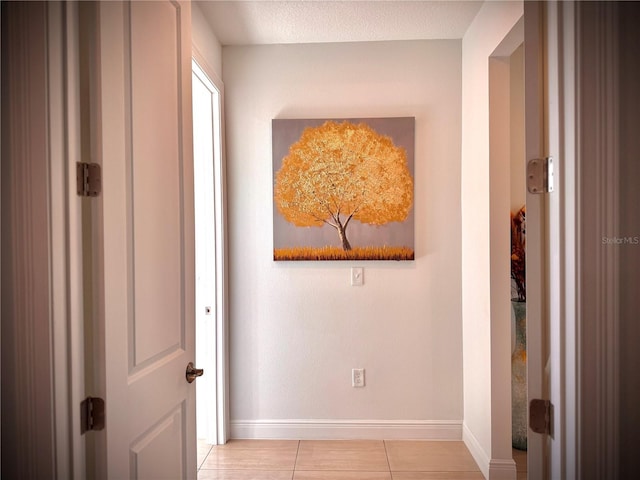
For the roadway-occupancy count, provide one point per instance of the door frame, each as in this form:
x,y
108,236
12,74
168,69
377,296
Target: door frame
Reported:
x,y
221,339
50,352
500,137
535,251
561,287
67,303
72,340
552,131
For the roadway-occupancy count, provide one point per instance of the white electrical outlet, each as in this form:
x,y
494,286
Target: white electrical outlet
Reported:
x,y
357,377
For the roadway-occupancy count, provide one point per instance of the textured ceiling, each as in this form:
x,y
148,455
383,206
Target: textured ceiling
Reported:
x,y
315,21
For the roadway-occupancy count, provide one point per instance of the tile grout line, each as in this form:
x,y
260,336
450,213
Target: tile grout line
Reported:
x,y
295,462
205,458
386,454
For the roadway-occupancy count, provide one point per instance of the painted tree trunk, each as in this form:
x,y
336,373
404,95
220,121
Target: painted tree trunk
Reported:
x,y
346,246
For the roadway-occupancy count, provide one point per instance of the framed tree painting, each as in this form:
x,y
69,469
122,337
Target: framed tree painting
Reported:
x,y
343,189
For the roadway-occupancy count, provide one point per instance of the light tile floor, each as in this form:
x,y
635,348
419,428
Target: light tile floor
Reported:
x,y
340,460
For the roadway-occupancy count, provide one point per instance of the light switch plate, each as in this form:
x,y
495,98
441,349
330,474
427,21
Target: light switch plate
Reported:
x,y
357,276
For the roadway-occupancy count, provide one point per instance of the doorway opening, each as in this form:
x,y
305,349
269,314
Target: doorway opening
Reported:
x,y
209,256
508,159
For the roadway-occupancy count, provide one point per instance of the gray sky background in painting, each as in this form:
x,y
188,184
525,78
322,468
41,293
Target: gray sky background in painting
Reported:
x,y
286,132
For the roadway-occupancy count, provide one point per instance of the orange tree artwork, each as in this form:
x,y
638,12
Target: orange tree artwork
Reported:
x,y
340,171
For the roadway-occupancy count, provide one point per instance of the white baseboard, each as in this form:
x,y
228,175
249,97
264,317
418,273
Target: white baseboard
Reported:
x,y
477,452
347,429
493,469
502,469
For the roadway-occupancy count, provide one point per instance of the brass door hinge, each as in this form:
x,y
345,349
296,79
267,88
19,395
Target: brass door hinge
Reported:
x,y
540,416
88,179
91,414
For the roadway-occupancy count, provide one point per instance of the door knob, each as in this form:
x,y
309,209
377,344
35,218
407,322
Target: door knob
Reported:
x,y
193,372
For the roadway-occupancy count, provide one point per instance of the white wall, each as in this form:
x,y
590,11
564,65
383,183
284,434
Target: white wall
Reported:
x,y
482,340
207,48
517,163
297,329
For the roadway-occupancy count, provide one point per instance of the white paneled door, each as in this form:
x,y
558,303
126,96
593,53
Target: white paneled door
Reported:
x,y
145,230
